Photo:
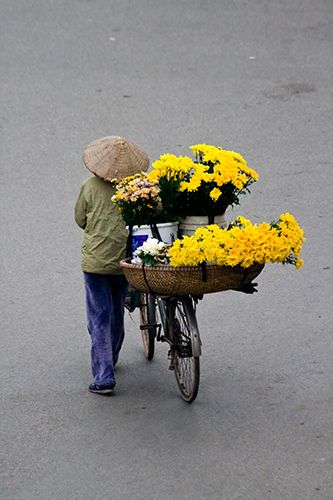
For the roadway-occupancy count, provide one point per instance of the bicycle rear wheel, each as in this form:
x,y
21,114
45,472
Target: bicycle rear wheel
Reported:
x,y
148,324
186,349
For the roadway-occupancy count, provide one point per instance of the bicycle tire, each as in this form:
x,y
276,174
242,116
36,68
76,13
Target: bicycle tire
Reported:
x,y
148,324
186,349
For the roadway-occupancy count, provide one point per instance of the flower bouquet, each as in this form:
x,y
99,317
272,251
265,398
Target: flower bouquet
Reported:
x,y
216,259
152,252
137,198
206,186
242,244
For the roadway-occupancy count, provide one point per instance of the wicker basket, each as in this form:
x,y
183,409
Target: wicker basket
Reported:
x,y
188,280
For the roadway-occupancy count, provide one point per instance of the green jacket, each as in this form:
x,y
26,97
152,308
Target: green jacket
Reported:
x,y
105,233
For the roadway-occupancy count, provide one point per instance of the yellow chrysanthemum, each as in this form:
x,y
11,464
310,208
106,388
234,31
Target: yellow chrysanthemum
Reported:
x,y
171,167
215,194
242,244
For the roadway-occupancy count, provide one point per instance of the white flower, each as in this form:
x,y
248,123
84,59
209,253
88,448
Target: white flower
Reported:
x,y
151,247
151,251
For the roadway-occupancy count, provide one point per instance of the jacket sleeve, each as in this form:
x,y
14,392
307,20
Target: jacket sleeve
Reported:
x,y
81,209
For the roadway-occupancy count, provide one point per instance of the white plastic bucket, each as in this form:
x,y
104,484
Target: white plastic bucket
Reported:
x,y
190,224
168,232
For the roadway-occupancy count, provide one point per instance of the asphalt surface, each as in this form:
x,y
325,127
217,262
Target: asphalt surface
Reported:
x,y
255,77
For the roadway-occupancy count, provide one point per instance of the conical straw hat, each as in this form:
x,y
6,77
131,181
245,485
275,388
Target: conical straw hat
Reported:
x,y
114,157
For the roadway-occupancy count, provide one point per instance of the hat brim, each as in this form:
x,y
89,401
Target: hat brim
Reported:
x,y
114,157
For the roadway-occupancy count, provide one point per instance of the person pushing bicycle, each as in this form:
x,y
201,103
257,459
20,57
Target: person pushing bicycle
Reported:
x,y
104,245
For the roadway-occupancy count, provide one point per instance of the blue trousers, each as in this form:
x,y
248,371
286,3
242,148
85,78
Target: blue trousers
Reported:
x,y
105,297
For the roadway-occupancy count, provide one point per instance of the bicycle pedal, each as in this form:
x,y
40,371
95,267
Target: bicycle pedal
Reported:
x,y
171,358
158,334
172,365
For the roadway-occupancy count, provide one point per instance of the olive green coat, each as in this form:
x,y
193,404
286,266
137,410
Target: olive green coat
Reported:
x,y
105,233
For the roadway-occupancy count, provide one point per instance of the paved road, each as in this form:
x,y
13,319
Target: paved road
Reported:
x,y
255,77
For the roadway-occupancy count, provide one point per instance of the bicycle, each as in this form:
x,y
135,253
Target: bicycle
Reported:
x,y
178,327
172,318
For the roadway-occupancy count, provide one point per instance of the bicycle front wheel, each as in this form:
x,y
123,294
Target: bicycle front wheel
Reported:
x,y
186,349
148,324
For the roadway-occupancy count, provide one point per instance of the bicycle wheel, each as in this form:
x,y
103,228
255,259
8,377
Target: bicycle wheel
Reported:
x,y
148,324
186,349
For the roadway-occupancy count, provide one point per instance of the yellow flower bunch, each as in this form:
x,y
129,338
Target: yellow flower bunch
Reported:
x,y
206,186
171,167
243,243
219,167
